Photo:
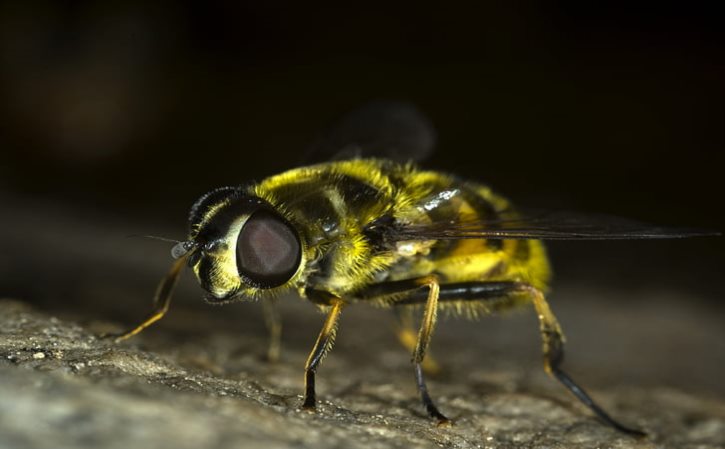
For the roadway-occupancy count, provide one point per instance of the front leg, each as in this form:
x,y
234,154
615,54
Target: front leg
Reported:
x,y
322,346
161,302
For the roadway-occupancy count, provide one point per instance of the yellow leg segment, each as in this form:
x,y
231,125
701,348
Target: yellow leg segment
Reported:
x,y
430,314
424,335
408,337
322,346
551,334
161,302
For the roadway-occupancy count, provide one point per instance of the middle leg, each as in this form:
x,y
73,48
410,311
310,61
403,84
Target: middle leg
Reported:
x,y
552,335
412,289
407,336
427,326
273,322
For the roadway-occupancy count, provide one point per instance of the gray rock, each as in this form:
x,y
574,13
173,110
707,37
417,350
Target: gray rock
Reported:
x,y
62,387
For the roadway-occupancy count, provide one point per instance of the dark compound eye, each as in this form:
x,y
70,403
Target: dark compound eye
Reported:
x,y
268,250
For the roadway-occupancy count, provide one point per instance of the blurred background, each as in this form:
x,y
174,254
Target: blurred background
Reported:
x,y
116,116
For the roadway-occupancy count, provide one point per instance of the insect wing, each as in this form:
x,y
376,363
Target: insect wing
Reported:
x,y
544,226
381,129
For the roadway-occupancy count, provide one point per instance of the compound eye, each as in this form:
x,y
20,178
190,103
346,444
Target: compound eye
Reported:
x,y
268,250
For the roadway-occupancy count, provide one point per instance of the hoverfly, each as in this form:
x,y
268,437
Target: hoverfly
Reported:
x,y
382,231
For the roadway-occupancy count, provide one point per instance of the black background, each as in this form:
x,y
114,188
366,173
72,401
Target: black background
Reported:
x,y
130,111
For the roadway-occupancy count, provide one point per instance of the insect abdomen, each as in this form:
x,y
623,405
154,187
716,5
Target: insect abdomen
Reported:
x,y
455,201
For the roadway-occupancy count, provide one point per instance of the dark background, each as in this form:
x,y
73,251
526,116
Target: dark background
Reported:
x,y
116,116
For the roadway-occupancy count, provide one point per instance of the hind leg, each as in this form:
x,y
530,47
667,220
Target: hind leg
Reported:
x,y
551,333
553,340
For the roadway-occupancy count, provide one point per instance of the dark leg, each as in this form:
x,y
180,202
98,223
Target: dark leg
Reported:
x,y
274,325
323,344
553,340
161,302
552,335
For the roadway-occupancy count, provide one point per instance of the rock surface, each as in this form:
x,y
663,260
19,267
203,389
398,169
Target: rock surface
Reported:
x,y
63,387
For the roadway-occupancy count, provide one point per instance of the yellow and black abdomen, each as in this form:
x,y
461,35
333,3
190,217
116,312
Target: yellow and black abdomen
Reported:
x,y
451,200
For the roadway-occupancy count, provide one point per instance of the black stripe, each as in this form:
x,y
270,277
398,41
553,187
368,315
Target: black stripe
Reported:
x,y
310,196
356,191
456,291
486,210
204,270
202,205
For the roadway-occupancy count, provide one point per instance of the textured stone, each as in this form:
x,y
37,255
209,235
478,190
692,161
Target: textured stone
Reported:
x,y
64,388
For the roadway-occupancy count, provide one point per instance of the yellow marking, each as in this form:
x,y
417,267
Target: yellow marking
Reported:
x,y
472,267
467,247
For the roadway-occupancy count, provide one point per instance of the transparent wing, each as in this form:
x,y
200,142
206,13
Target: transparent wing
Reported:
x,y
383,129
543,226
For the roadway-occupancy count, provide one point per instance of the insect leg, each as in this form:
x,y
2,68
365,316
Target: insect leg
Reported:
x,y
322,346
412,291
552,335
426,330
553,340
273,322
407,336
162,299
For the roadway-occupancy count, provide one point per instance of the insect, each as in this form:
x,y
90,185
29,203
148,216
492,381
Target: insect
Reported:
x,y
384,232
